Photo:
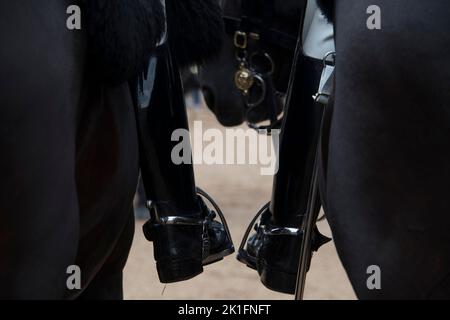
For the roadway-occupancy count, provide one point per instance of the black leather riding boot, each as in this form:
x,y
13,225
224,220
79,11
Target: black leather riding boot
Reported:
x,y
183,229
275,247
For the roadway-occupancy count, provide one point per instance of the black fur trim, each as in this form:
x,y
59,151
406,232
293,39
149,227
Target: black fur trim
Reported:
x,y
327,7
195,29
122,35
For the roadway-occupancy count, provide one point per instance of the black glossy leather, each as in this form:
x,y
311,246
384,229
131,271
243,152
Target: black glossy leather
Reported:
x,y
276,258
218,244
298,143
180,250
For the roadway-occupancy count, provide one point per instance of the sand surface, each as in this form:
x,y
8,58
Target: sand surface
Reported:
x,y
240,190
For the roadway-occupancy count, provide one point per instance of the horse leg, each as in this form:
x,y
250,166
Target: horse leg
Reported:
x,y
40,63
388,171
107,172
107,284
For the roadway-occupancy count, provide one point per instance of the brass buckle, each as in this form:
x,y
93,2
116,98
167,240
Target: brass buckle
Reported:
x,y
240,40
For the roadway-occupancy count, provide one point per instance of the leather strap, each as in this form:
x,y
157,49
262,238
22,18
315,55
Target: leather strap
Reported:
x,y
273,36
254,28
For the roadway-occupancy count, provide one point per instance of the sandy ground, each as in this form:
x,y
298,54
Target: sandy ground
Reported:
x,y
240,190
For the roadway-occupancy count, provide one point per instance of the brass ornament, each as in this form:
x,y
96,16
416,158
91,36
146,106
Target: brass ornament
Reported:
x,y
244,79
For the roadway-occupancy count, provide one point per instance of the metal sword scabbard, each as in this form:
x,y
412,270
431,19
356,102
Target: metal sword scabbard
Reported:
x,y
322,99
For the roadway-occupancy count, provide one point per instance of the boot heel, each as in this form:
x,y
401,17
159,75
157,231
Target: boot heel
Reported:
x,y
178,270
277,280
246,259
177,251
184,244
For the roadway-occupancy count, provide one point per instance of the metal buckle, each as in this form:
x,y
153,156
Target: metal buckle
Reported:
x,y
240,40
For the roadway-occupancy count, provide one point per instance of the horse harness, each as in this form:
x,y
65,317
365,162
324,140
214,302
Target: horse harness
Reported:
x,y
253,33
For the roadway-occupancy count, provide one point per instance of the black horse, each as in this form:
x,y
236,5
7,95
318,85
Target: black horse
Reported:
x,y
69,161
217,76
386,180
68,135
384,151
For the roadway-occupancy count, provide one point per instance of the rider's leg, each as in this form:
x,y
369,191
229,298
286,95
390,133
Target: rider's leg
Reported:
x,y
388,174
182,229
40,86
277,255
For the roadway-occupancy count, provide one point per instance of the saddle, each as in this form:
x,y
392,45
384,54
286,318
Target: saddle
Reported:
x,y
123,35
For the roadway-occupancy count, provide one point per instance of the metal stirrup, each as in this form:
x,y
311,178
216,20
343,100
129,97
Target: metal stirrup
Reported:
x,y
281,231
172,220
250,227
188,221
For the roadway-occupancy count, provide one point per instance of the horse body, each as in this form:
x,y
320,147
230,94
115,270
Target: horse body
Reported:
x,y
70,154
388,166
69,161
385,152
